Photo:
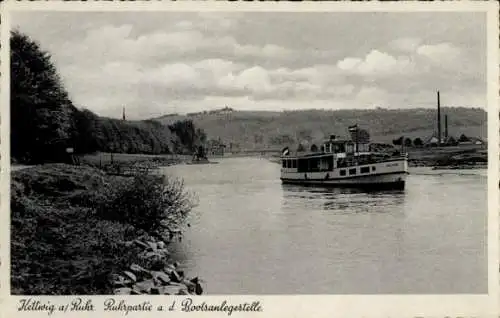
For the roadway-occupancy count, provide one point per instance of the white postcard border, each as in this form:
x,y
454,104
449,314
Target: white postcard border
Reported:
x,y
295,305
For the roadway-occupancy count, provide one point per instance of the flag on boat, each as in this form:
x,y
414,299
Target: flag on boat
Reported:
x,y
285,151
353,128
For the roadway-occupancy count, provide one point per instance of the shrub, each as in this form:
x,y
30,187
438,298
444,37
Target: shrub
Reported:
x,y
155,204
65,251
69,240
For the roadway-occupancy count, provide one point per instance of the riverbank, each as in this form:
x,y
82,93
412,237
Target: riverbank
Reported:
x,y
458,157
113,162
79,230
104,159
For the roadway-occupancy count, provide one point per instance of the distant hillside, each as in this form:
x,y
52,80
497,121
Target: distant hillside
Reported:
x,y
260,129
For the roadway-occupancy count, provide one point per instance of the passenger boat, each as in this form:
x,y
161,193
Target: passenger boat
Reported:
x,y
345,163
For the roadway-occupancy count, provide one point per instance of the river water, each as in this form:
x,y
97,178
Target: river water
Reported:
x,y
251,235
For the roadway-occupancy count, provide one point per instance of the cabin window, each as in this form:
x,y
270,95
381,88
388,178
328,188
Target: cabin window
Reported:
x,y
283,163
349,148
330,163
294,163
352,171
302,165
363,147
364,170
373,168
342,172
341,163
314,164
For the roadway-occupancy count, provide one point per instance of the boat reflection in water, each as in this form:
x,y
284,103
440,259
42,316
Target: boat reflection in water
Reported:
x,y
343,200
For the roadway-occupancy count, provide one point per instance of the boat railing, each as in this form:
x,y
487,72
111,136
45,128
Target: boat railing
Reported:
x,y
371,160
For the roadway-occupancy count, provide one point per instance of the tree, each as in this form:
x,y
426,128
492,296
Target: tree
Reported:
x,y
201,136
301,148
408,142
398,142
451,141
463,138
85,132
44,121
41,112
314,148
418,142
189,136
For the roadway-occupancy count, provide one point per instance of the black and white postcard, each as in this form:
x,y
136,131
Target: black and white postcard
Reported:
x,y
267,159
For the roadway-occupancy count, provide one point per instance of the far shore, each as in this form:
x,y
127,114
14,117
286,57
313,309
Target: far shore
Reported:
x,y
458,157
452,157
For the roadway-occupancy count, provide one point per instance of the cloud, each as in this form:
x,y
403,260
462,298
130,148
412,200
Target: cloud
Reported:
x,y
443,53
407,45
255,80
377,63
175,44
184,62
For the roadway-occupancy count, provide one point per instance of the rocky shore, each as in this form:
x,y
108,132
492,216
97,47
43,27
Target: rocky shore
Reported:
x,y
162,278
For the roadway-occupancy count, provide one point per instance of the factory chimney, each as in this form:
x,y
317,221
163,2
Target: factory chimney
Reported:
x,y
446,126
123,115
439,119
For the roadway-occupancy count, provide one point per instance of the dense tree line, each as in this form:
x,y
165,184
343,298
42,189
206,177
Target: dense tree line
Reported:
x,y
45,123
41,112
189,138
113,135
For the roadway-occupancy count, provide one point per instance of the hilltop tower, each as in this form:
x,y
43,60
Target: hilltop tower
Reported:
x,y
123,115
439,119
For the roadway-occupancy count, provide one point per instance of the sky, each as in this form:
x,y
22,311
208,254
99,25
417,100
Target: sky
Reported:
x,y
156,63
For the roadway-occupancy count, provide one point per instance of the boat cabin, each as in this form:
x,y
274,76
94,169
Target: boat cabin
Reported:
x,y
344,146
344,163
332,154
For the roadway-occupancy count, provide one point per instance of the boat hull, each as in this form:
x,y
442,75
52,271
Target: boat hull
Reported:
x,y
394,180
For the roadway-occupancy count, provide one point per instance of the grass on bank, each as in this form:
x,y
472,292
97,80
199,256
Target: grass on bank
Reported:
x,y
71,227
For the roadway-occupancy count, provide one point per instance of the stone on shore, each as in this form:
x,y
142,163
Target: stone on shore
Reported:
x,y
161,277
123,291
144,286
130,276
